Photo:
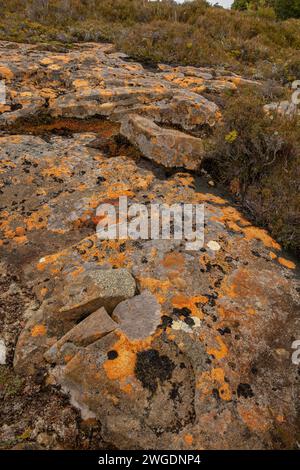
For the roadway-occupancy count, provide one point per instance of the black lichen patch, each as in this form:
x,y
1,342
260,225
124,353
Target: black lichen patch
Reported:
x,y
182,311
224,331
112,354
165,322
245,390
189,321
152,369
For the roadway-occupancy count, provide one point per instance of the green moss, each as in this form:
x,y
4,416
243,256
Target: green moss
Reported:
x,y
10,383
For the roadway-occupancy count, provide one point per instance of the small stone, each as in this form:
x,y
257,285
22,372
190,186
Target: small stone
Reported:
x,y
2,352
214,246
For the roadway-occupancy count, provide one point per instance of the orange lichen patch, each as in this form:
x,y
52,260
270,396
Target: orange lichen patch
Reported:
x,y
208,380
119,190
16,234
20,240
50,259
260,234
188,82
77,271
185,179
232,218
221,352
54,67
46,61
142,183
226,313
68,357
38,220
242,284
83,220
80,83
6,73
3,109
38,330
123,366
280,419
158,287
43,291
207,197
257,419
287,263
48,93
20,231
5,164
251,311
127,388
188,439
272,255
174,261
118,259
181,301
218,375
57,171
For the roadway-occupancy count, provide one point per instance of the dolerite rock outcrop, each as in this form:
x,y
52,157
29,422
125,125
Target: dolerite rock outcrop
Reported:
x,y
167,348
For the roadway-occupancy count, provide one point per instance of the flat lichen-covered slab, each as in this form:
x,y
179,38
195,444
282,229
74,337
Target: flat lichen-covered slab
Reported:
x,y
207,363
216,369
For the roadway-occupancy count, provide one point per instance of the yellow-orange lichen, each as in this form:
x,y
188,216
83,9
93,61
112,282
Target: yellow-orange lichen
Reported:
x,y
256,418
181,301
287,263
38,330
220,352
123,366
173,261
210,379
188,439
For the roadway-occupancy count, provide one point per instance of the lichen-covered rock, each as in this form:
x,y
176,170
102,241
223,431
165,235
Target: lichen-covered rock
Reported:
x,y
166,147
138,317
96,288
89,330
197,353
210,362
72,299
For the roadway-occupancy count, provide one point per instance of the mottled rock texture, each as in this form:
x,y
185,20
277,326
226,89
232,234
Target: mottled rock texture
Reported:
x,y
168,147
193,348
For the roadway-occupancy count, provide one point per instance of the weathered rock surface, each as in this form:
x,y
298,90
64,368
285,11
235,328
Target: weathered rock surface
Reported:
x,y
194,348
91,81
89,330
167,147
94,289
138,317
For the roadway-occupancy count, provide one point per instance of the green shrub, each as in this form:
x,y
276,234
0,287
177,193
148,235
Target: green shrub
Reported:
x,y
258,156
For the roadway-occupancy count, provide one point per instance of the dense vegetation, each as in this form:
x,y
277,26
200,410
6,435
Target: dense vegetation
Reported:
x,y
252,42
282,9
260,159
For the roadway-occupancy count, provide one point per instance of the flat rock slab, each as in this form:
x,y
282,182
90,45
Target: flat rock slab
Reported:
x,y
138,317
94,289
166,147
89,330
